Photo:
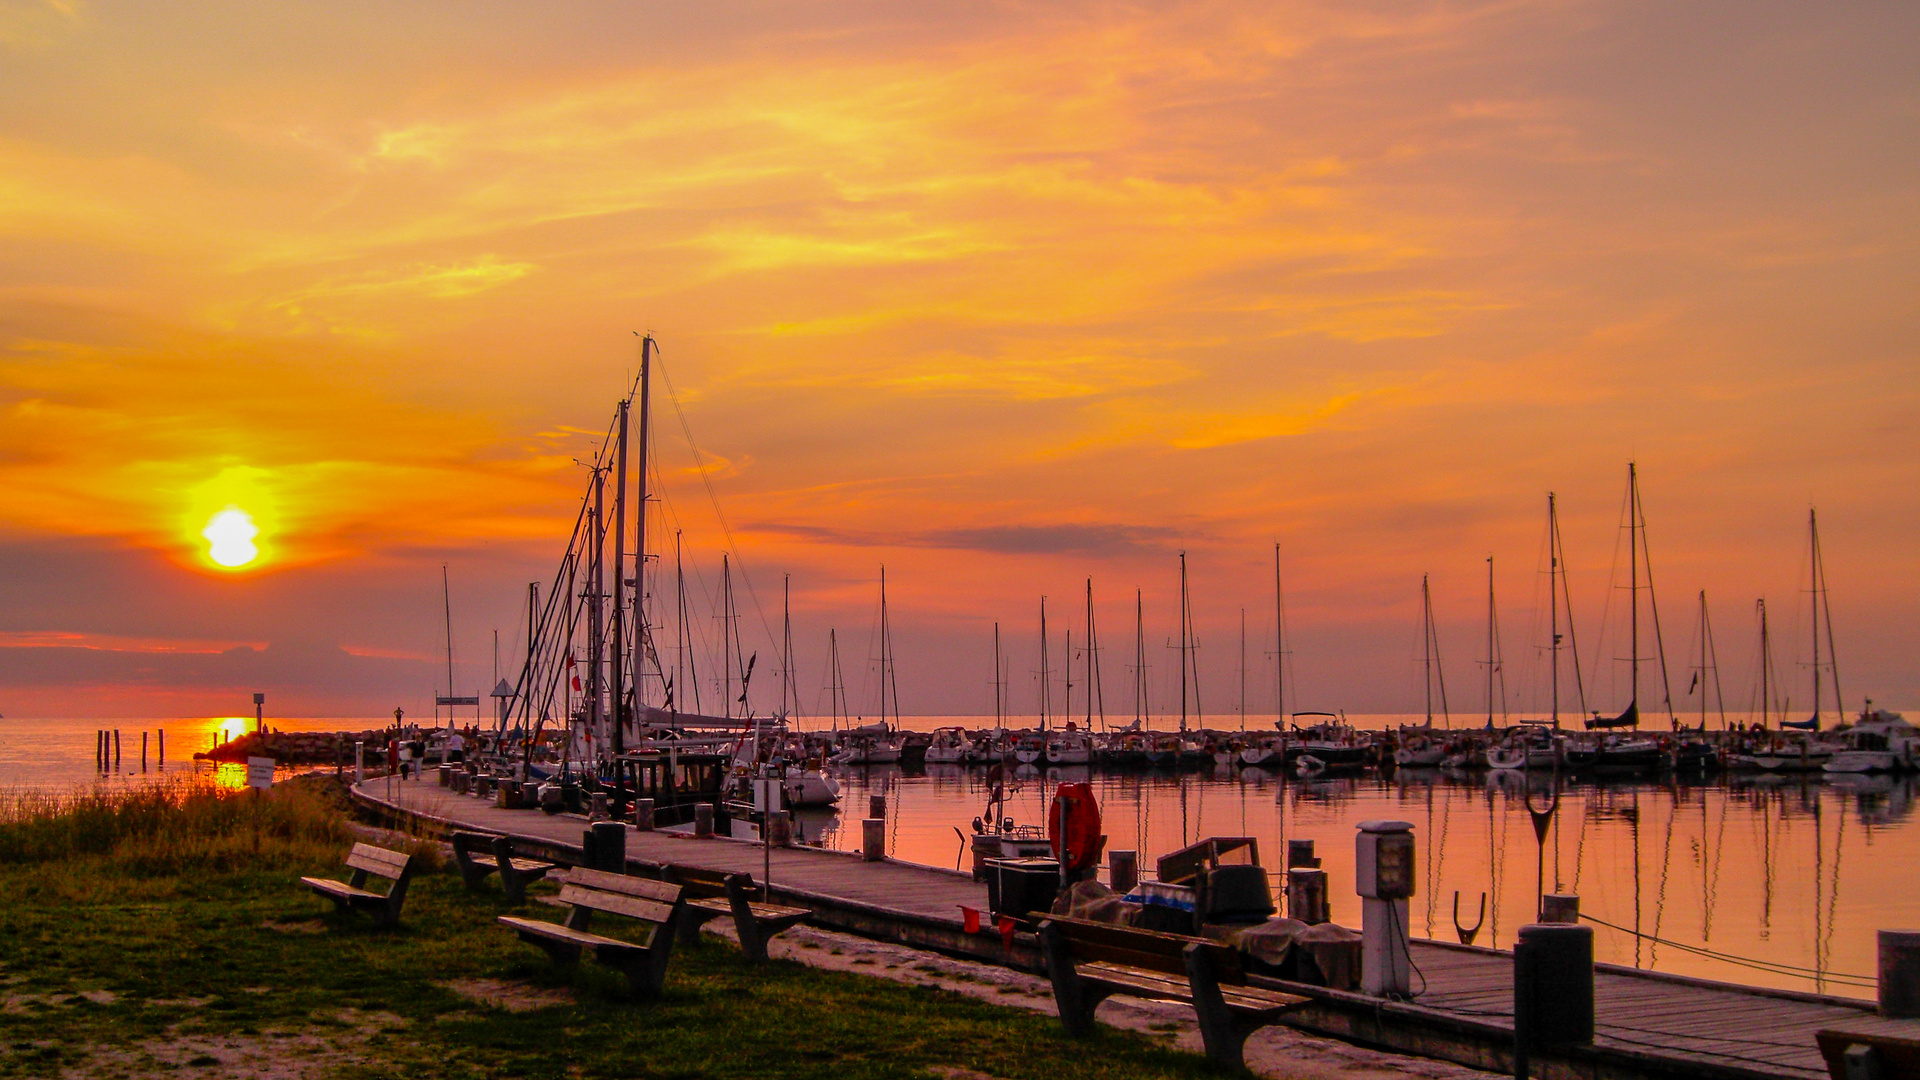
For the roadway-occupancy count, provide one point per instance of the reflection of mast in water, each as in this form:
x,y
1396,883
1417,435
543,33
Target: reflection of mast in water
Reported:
x,y
1666,866
1833,889
1433,865
1819,895
1493,868
1710,866
1633,831
1766,868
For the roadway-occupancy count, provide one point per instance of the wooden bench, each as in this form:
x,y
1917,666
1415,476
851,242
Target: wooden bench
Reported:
x,y
352,894
495,854
1871,1048
713,893
655,905
1090,961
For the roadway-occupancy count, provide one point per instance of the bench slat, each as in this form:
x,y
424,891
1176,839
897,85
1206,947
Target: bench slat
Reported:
x,y
633,907
387,864
575,937
1152,950
1134,979
337,888
664,892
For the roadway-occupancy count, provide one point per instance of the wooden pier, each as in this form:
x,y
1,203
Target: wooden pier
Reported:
x,y
1648,1025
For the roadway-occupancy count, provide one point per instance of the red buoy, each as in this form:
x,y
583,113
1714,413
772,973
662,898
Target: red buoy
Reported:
x,y
1073,827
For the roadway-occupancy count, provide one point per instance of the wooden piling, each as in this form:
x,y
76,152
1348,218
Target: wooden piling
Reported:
x,y
877,806
1123,871
1900,974
703,820
116,748
780,829
161,738
873,839
143,751
1307,895
643,815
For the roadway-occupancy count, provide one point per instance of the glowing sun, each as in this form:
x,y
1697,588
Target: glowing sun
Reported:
x,y
229,536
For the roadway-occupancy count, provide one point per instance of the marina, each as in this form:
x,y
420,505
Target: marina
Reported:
x,y
1646,1024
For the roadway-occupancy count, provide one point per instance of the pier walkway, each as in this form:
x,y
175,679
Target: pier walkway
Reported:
x,y
1648,1024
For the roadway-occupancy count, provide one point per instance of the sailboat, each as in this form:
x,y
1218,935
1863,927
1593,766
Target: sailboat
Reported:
x,y
880,742
1608,752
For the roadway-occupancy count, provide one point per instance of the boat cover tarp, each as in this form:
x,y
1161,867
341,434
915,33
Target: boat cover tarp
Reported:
x,y
1333,950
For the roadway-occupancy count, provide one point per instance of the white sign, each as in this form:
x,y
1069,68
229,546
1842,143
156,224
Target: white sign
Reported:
x,y
260,772
766,794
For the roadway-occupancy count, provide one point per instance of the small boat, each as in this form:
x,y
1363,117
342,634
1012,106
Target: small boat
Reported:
x,y
1069,747
1881,741
950,746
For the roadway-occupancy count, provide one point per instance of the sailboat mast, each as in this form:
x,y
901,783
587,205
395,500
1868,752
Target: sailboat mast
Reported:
x,y
1553,604
1703,659
1633,586
446,598
999,717
1826,616
888,682
1066,670
1046,675
1243,669
1141,712
1766,663
1813,587
641,630
1490,657
726,637
1183,641
787,696
596,588
1279,644
836,690
619,656
1426,642
1093,682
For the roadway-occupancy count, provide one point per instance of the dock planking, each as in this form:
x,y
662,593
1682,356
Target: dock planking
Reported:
x,y
1646,1024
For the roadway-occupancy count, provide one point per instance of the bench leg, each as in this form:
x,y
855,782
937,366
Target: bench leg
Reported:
x,y
1074,997
689,923
1224,1033
512,882
646,969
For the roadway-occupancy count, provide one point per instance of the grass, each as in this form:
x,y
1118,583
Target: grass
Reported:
x,y
145,933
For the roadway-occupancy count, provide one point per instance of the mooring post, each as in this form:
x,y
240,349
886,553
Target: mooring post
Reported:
x,y
116,748
596,806
703,820
143,751
607,846
1560,908
162,756
780,829
873,839
1900,974
877,806
1307,895
1552,990
1123,870
1300,853
643,815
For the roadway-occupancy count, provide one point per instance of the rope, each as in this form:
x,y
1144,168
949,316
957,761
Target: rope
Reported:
x,y
1773,967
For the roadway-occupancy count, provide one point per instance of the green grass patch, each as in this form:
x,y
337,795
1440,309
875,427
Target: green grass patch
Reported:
x,y
151,932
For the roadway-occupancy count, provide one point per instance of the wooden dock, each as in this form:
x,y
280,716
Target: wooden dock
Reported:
x,y
1647,1024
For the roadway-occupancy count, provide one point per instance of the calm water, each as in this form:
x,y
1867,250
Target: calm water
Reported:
x,y
1795,873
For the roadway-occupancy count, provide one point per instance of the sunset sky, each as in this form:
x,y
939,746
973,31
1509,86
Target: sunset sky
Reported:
x,y
1003,296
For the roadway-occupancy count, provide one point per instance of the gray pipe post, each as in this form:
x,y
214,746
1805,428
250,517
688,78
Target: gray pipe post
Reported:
x,y
1123,870
359,761
1900,974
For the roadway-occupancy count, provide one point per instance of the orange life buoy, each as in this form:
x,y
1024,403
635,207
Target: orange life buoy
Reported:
x,y
1073,827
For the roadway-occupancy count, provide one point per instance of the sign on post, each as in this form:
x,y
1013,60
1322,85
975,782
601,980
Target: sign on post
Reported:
x,y
767,791
260,772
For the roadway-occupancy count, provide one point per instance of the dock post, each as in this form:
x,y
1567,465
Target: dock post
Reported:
x,y
1552,988
877,806
1307,895
606,846
162,756
873,839
1300,853
1383,876
1900,974
1123,870
703,820
643,815
143,751
116,748
597,806
780,829
1560,908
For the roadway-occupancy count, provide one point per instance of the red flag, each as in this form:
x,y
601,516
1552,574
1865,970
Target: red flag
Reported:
x,y
576,678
